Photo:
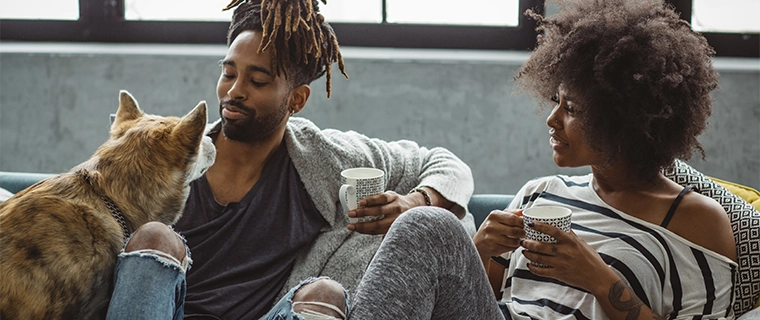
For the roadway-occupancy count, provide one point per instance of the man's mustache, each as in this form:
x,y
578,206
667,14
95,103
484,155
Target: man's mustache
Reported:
x,y
238,105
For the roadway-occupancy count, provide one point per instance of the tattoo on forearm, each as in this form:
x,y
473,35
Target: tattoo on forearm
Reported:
x,y
632,306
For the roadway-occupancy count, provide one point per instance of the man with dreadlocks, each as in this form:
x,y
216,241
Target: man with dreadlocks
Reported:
x,y
266,215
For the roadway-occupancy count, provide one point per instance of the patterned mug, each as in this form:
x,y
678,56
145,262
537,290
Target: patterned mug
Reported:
x,y
559,217
357,184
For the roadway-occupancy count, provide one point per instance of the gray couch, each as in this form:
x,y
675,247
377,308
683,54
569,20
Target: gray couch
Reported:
x,y
480,204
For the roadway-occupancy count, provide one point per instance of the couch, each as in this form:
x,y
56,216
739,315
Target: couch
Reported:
x,y
740,202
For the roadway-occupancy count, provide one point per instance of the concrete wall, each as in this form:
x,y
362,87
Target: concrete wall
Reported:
x,y
55,100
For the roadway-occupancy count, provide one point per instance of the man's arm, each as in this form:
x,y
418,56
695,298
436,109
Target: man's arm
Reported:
x,y
434,177
427,196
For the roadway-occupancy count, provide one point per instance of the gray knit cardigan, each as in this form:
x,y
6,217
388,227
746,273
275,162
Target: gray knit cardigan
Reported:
x,y
320,155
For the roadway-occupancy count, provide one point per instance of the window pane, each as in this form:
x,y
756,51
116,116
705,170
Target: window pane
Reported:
x,y
40,9
468,12
211,10
366,11
738,16
185,10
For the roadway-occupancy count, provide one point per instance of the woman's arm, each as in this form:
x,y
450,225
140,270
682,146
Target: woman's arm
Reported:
x,y
619,301
495,272
499,233
575,263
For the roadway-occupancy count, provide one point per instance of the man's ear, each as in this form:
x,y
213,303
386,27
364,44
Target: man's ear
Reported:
x,y
298,97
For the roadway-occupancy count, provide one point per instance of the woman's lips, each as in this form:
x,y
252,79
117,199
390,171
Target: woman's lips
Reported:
x,y
556,143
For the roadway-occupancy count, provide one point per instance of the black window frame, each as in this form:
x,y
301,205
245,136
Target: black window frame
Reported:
x,y
103,21
725,44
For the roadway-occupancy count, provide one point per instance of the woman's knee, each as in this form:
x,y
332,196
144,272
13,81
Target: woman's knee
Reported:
x,y
157,236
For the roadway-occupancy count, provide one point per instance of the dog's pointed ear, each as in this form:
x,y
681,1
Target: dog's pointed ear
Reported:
x,y
128,109
190,129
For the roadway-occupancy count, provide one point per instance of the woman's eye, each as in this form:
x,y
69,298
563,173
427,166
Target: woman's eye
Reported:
x,y
555,98
570,109
228,76
258,84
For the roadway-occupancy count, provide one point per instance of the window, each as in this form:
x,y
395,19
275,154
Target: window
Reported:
x,y
168,10
503,13
41,10
393,23
455,24
723,16
730,26
353,11
440,12
471,24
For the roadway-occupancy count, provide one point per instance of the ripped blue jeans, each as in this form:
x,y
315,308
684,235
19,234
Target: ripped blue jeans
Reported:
x,y
283,310
150,284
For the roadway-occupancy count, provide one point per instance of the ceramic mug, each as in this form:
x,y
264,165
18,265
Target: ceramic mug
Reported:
x,y
357,184
559,217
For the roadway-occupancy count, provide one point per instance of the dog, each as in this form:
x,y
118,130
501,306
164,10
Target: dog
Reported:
x,y
60,238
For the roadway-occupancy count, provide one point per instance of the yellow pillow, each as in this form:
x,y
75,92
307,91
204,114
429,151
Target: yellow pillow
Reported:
x,y
750,195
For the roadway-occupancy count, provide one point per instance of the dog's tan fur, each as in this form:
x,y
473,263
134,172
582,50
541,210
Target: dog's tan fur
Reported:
x,y
59,241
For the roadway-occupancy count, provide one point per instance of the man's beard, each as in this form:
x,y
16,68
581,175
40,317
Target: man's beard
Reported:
x,y
253,128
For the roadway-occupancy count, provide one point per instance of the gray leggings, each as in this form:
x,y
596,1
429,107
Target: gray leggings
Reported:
x,y
426,268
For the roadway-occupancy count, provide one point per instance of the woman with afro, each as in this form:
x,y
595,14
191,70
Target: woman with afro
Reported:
x,y
629,84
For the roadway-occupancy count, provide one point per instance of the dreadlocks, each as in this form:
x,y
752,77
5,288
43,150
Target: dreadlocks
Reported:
x,y
303,45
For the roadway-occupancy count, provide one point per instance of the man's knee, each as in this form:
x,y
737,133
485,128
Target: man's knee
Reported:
x,y
157,236
430,215
326,291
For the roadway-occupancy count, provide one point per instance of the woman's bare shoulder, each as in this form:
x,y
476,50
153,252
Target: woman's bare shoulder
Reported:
x,y
702,220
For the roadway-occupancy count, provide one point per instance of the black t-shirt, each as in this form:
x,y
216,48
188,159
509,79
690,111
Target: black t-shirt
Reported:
x,y
244,252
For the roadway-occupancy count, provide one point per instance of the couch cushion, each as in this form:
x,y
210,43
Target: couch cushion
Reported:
x,y
745,222
17,181
481,205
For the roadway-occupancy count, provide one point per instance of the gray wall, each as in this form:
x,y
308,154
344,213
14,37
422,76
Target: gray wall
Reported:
x,y
55,100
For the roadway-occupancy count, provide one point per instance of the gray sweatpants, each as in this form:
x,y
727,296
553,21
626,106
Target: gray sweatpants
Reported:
x,y
426,268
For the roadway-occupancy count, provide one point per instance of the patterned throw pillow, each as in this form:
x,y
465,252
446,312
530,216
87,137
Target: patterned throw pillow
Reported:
x,y
745,222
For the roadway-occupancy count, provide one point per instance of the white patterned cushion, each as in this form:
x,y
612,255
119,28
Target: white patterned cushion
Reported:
x,y
745,222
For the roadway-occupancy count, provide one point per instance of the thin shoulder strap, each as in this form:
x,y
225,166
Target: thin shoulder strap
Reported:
x,y
673,207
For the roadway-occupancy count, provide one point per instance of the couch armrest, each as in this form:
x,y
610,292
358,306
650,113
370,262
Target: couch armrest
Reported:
x,y
17,181
481,205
